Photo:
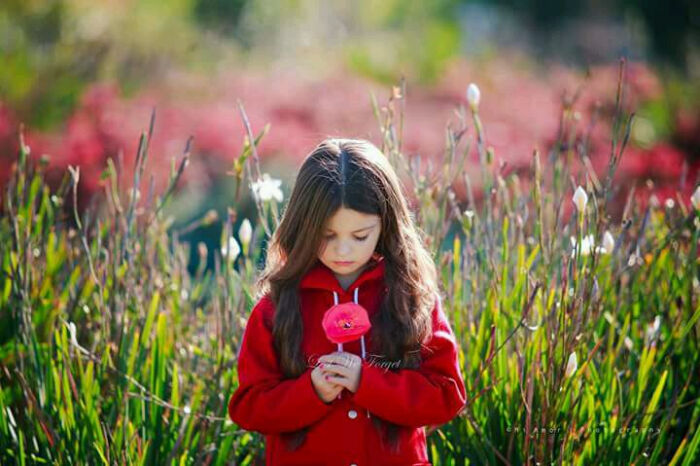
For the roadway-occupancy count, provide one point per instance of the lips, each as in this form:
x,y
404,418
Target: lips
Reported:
x,y
343,263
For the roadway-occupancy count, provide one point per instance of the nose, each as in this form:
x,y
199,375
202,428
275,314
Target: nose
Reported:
x,y
343,249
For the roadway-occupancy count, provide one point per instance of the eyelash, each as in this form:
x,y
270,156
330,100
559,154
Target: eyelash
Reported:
x,y
358,239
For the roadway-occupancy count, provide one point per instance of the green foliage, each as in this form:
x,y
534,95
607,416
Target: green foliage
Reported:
x,y
53,50
107,354
404,38
221,14
112,352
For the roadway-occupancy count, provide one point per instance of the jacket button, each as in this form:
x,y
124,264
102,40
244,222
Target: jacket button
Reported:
x,y
352,414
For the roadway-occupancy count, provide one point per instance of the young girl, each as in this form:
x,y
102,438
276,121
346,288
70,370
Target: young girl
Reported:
x,y
347,235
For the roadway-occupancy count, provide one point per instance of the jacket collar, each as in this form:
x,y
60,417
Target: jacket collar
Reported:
x,y
321,277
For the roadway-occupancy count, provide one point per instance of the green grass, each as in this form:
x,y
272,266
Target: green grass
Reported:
x,y
146,376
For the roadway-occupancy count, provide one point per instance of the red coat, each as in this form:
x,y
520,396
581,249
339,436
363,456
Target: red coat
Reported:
x,y
341,432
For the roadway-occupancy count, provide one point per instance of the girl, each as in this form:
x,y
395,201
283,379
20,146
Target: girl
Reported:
x,y
347,235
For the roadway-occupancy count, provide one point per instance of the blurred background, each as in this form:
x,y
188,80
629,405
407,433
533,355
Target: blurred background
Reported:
x,y
83,77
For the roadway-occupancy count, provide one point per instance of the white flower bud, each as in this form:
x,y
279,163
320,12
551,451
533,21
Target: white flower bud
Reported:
x,y
571,365
72,330
587,245
695,198
580,199
652,331
233,249
245,233
628,343
608,242
473,96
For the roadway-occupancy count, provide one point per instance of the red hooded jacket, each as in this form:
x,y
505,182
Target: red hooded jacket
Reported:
x,y
341,432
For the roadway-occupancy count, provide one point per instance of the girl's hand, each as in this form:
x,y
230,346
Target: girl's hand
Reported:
x,y
325,389
342,368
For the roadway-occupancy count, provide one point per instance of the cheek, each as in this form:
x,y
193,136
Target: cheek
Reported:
x,y
322,249
375,241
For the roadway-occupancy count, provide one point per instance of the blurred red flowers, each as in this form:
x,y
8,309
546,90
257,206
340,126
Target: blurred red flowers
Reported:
x,y
520,110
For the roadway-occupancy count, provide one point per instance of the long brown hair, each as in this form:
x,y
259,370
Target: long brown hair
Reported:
x,y
353,174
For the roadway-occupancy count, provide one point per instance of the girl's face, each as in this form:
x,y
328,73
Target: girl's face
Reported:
x,y
349,240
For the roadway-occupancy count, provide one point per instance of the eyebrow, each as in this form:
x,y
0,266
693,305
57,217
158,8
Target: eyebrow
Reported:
x,y
357,231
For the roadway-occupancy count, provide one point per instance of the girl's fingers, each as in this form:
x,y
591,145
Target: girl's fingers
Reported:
x,y
326,379
332,369
336,380
328,359
327,362
341,359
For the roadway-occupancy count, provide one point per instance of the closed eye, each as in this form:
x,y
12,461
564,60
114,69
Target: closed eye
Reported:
x,y
357,238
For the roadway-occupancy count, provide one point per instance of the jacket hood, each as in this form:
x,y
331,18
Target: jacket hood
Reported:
x,y
322,277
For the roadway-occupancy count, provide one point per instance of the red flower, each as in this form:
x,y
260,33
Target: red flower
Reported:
x,y
345,322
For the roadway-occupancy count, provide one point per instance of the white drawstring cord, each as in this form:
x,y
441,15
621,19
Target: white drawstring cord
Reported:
x,y
335,301
362,339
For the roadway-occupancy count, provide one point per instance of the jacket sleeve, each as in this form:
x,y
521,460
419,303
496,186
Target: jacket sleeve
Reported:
x,y
265,401
433,394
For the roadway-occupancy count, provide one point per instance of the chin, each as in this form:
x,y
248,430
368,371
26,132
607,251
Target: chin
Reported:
x,y
344,270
